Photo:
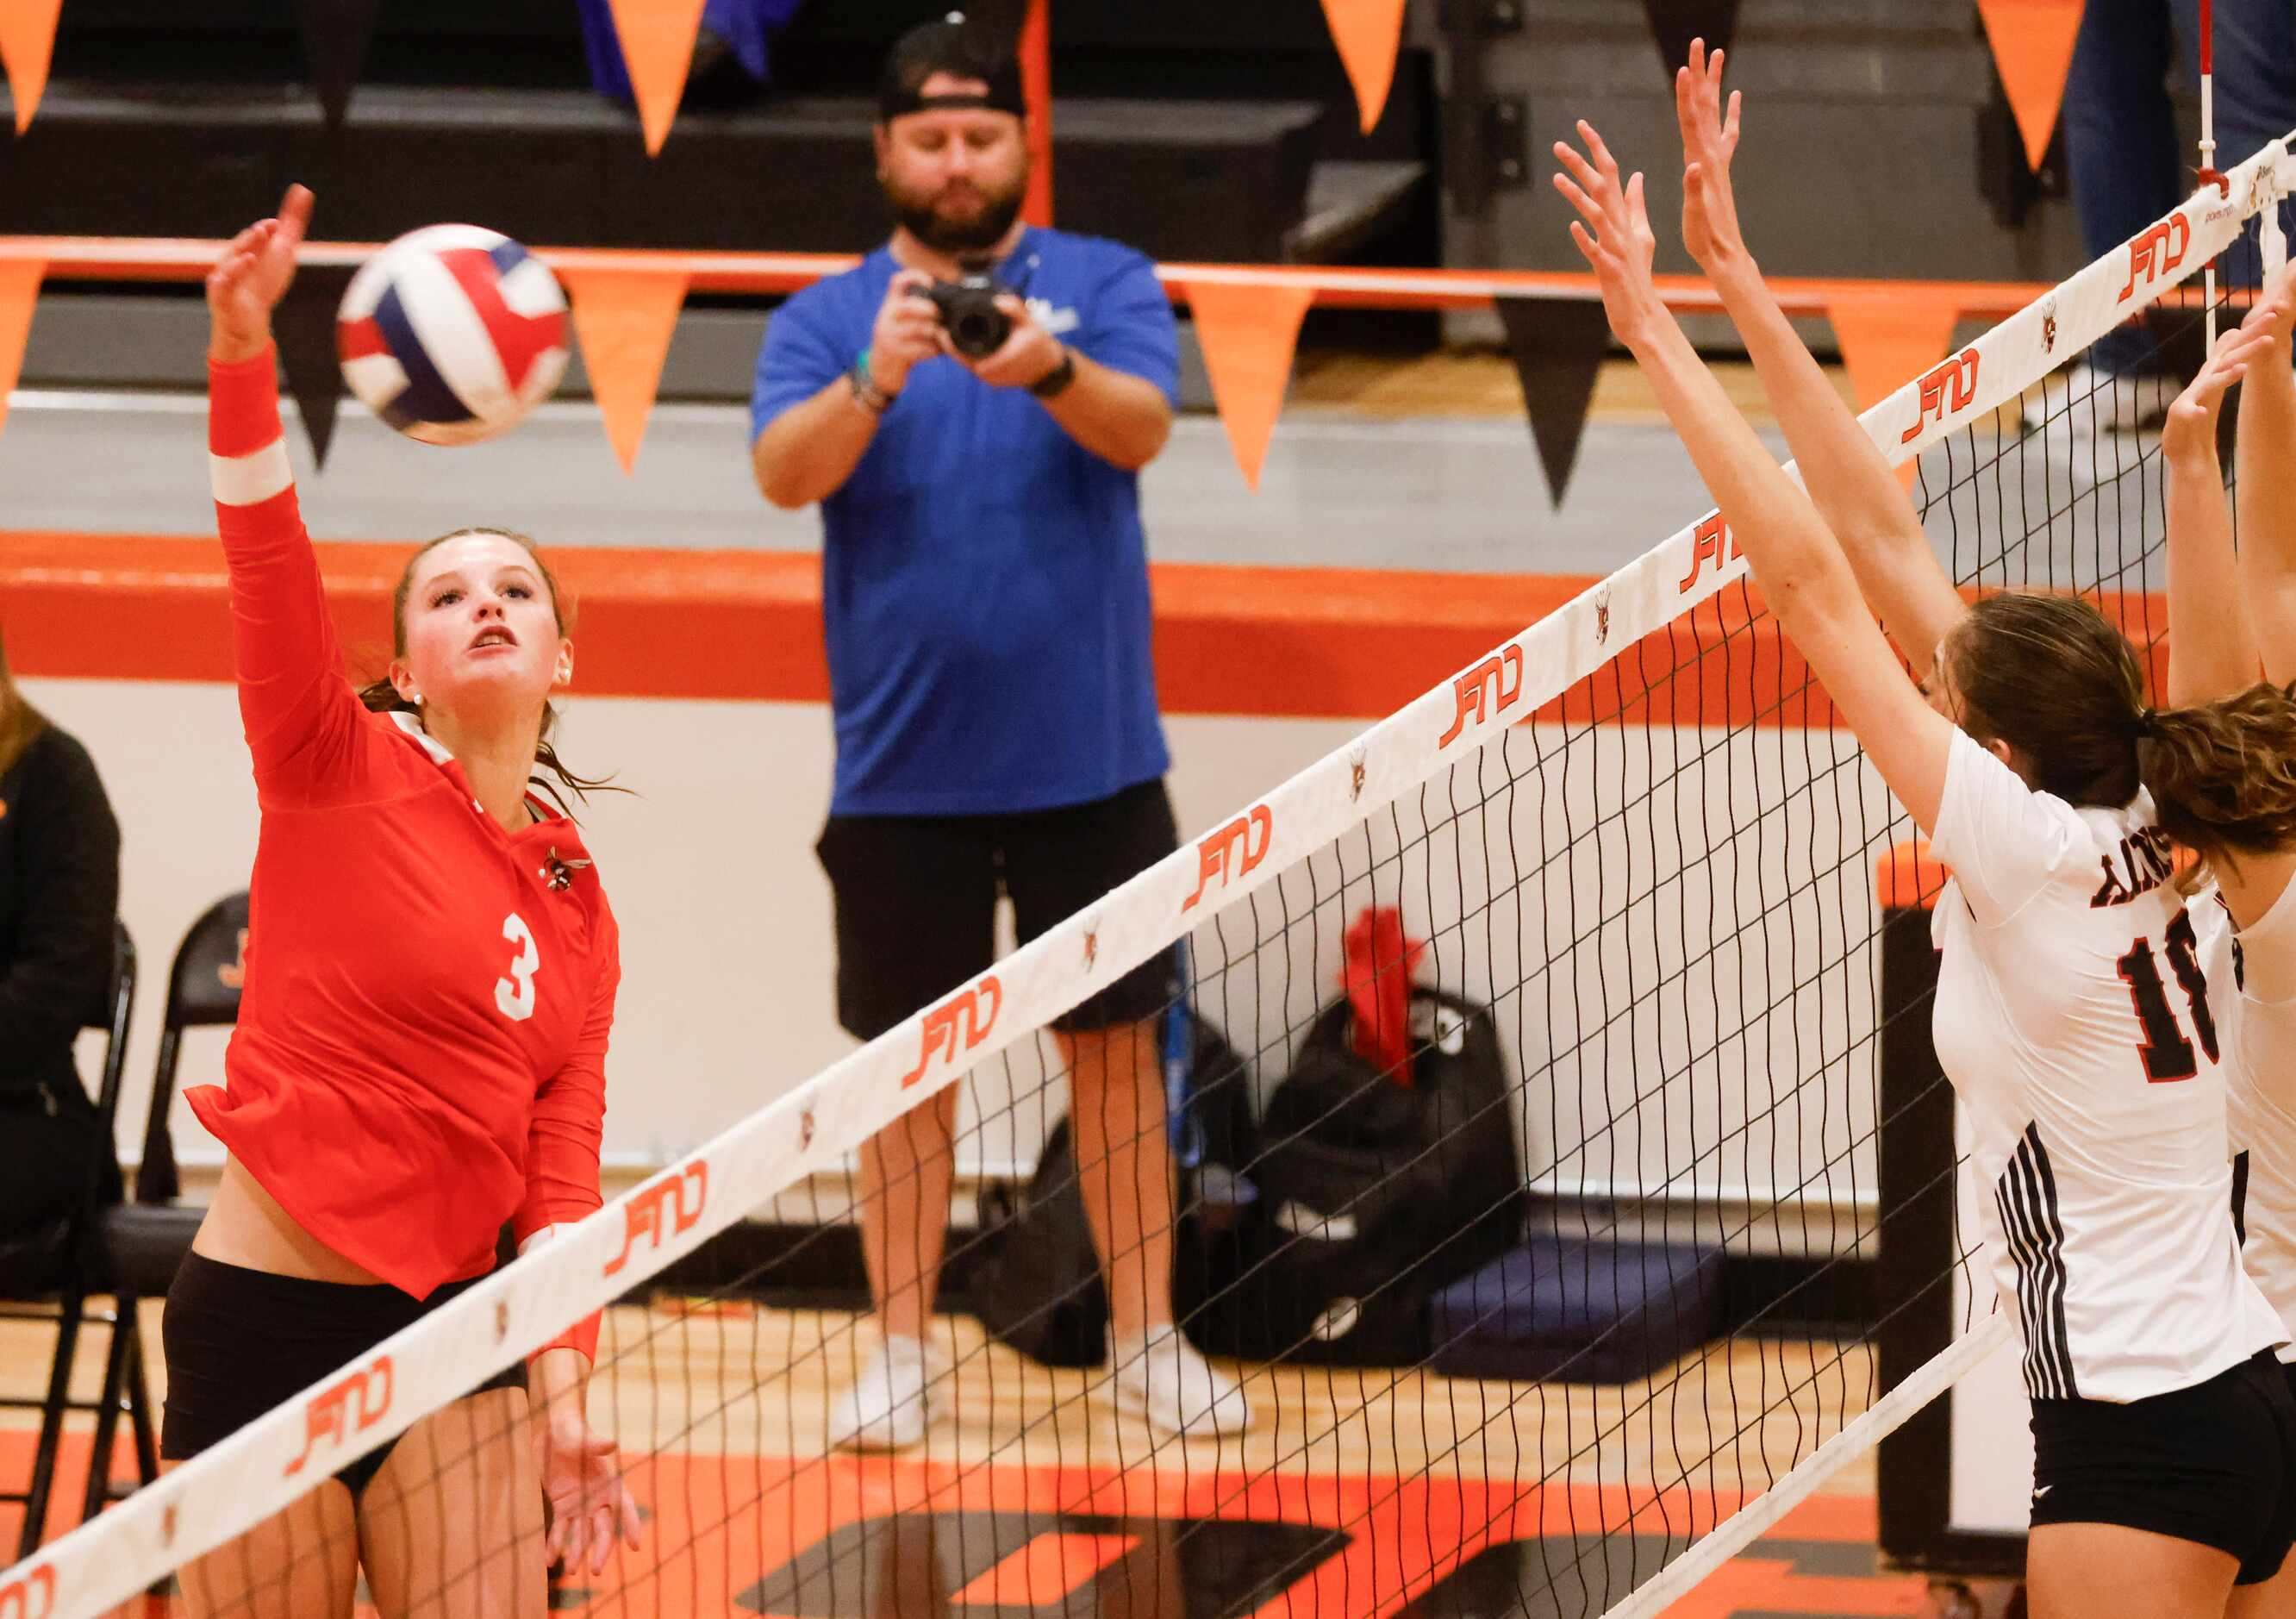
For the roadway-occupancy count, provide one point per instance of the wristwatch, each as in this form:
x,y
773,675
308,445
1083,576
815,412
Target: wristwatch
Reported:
x,y
1058,378
872,398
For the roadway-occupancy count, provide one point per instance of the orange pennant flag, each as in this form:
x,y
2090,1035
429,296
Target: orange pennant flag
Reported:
x,y
1888,336
2033,49
19,289
1248,334
623,320
1368,33
657,40
27,40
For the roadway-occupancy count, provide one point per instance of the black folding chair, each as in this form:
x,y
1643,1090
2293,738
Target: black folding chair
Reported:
x,y
142,1242
49,1274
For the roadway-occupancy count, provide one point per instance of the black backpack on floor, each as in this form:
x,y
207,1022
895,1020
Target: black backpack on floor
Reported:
x,y
1035,1280
1374,1196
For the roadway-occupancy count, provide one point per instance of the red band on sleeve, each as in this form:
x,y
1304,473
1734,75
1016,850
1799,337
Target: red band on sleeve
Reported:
x,y
583,1336
242,405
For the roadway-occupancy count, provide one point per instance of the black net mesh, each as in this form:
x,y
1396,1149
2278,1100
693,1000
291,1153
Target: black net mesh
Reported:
x,y
1517,1318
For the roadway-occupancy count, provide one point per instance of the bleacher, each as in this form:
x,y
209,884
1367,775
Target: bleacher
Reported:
x,y
1190,129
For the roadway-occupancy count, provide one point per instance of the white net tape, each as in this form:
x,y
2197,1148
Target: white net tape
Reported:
x,y
261,1469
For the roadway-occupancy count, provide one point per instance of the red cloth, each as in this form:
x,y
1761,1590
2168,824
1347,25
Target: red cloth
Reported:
x,y
1378,984
381,1083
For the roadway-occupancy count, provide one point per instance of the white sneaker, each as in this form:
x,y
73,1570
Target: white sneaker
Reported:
x,y
2088,401
890,1403
1161,1377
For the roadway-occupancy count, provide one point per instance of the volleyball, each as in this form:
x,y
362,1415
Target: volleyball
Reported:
x,y
452,334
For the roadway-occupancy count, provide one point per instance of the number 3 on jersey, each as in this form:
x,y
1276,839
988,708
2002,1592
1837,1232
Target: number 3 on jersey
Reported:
x,y
514,995
2167,1054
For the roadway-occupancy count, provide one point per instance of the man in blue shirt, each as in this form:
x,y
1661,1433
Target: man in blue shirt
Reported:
x,y
985,593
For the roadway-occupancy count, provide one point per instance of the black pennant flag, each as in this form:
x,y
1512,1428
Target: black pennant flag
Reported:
x,y
335,36
1557,345
304,325
1675,23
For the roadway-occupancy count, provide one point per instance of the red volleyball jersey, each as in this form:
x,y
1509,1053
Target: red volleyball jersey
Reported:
x,y
421,1047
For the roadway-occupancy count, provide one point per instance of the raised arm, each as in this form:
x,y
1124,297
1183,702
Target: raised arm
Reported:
x,y
1804,576
299,710
2264,458
2211,648
1848,479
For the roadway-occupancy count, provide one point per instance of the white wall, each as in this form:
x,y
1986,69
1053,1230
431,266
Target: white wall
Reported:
x,y
1657,916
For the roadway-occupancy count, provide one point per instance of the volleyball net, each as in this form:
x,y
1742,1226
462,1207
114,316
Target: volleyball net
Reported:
x,y
1523,1061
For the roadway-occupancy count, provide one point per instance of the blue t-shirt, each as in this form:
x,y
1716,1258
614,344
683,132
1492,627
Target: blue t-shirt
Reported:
x,y
984,576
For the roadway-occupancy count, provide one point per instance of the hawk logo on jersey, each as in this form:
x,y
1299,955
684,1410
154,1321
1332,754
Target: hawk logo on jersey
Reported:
x,y
323,1419
33,1597
959,1024
1485,691
2145,860
662,1210
1234,838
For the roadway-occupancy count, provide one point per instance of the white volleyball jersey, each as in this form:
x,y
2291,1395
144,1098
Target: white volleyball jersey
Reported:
x,y
2077,1024
2253,971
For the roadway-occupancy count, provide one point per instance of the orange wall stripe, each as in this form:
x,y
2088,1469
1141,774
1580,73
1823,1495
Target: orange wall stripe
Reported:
x,y
1310,643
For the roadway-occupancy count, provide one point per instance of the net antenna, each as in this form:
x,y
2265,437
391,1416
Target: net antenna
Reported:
x,y
2208,175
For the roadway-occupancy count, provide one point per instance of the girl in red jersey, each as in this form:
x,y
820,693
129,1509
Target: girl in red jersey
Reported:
x,y
430,974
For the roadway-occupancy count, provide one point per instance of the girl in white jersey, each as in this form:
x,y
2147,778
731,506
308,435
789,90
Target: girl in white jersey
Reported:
x,y
2072,1015
2226,620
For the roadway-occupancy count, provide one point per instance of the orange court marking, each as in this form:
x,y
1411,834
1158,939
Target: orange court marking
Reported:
x,y
828,1537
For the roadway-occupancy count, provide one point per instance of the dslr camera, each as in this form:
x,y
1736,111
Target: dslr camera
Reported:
x,y
976,328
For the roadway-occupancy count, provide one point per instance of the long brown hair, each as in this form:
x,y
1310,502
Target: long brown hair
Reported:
x,y
2052,678
20,723
383,698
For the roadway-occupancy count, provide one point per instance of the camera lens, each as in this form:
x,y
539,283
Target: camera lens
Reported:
x,y
978,332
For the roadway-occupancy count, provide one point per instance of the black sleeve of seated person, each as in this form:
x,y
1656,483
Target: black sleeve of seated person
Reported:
x,y
62,843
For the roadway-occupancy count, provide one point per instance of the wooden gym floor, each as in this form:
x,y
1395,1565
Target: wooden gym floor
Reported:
x,y
1360,1494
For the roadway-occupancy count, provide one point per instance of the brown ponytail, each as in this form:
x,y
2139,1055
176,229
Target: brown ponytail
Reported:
x,y
2223,774
2051,676
383,697
2053,679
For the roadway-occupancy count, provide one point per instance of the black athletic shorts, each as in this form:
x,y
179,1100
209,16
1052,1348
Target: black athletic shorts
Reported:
x,y
916,900
238,1342
2214,1463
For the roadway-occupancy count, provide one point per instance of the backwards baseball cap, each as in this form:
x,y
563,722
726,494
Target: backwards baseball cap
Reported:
x,y
962,49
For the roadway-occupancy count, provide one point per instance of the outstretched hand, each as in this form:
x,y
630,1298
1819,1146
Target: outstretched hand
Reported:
x,y
1616,236
252,275
1709,139
2276,307
2190,432
590,1502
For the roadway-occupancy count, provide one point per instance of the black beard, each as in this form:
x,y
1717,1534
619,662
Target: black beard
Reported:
x,y
983,231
